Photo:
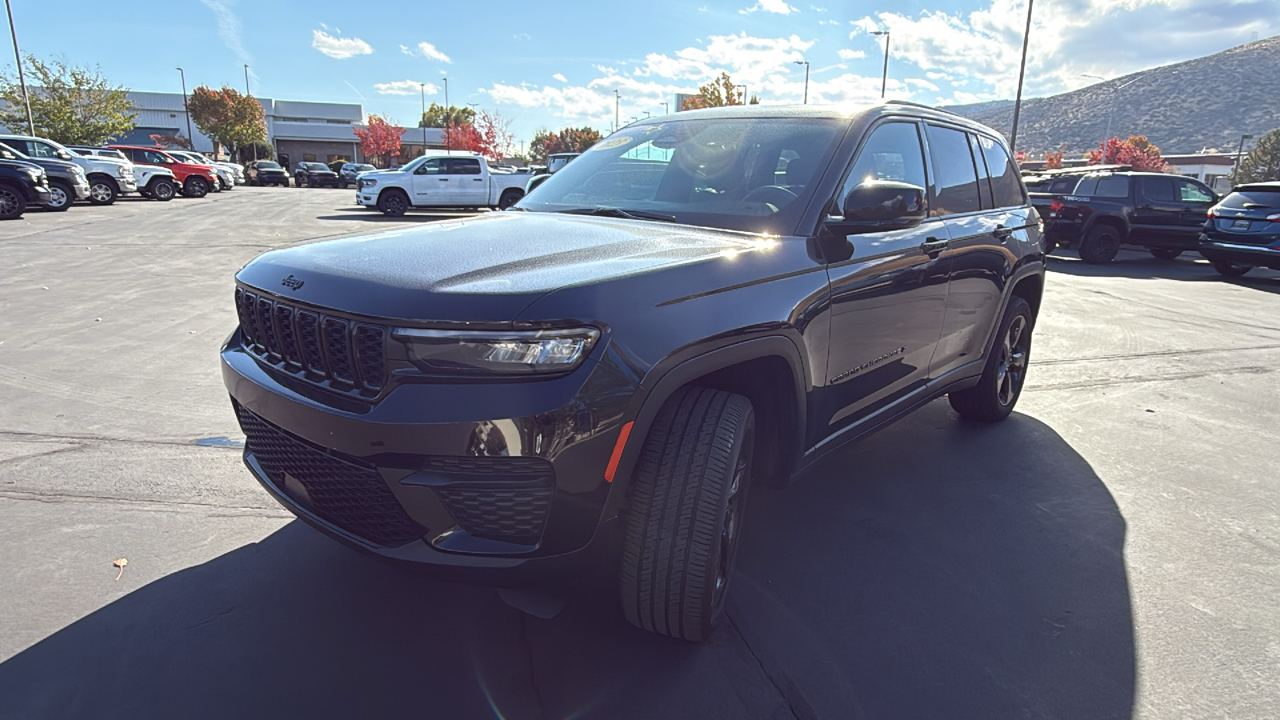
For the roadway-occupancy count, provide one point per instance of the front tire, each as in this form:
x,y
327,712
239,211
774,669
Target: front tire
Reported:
x,y
12,203
1101,245
393,203
1164,253
1231,270
993,398
195,187
103,191
684,517
62,196
162,190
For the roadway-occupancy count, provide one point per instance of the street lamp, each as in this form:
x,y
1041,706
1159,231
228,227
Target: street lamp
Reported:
x,y
422,88
448,118
1111,108
617,99
666,109
248,94
884,77
185,109
1235,172
805,63
1022,73
17,57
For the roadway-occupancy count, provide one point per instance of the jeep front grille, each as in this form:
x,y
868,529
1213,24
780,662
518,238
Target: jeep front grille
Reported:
x,y
333,352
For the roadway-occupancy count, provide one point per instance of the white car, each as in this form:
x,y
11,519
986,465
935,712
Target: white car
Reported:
x,y
108,178
229,174
153,181
439,179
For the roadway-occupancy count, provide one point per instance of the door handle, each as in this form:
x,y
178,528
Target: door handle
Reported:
x,y
1002,233
477,179
932,245
444,179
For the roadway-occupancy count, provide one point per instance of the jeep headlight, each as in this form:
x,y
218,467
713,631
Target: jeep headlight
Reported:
x,y
483,352
123,171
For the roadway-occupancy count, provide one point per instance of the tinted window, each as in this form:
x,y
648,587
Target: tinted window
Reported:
x,y
1158,190
18,145
956,180
268,166
464,166
434,166
1006,187
152,157
1062,185
1252,198
892,152
1104,186
984,180
42,150
1193,192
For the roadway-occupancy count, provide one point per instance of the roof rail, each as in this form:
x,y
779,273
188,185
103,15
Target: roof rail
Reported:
x,y
1081,170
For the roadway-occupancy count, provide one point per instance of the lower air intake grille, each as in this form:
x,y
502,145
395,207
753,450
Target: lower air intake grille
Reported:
x,y
510,515
346,494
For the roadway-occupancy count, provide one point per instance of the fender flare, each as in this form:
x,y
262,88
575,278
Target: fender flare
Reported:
x,y
91,177
1095,218
660,384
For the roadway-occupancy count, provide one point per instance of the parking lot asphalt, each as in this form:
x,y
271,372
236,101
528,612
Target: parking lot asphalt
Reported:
x,y
1111,551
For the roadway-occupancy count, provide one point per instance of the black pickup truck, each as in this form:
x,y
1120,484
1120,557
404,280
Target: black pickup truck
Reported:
x,y
1163,213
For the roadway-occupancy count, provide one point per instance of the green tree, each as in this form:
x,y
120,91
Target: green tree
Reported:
x,y
566,141
227,117
69,104
437,116
1263,162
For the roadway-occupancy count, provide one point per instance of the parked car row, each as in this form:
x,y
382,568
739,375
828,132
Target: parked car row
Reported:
x,y
1096,210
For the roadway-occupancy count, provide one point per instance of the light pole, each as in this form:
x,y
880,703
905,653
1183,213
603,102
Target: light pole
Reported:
x,y
448,118
185,109
617,100
884,77
247,94
666,109
1235,172
1022,73
422,87
1111,109
805,63
17,56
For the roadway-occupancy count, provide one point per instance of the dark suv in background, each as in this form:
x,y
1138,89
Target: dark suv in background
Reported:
x,y
22,185
1243,231
314,174
695,303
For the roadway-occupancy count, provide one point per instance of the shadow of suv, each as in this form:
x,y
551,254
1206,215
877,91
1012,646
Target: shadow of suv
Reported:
x,y
599,374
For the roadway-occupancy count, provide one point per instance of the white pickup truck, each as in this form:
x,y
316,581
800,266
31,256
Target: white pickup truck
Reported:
x,y
439,179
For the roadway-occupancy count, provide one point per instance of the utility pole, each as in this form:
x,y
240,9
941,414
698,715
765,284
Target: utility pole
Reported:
x,y
805,63
1017,103
617,99
884,77
422,87
22,80
1235,172
666,108
185,109
248,94
448,118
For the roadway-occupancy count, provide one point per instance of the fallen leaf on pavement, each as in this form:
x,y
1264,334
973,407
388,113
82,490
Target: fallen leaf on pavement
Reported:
x,y
120,564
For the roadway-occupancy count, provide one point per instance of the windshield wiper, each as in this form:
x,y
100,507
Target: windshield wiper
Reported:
x,y
619,212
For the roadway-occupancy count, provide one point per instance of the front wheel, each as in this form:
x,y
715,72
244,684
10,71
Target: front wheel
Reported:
x,y
162,190
12,203
196,187
993,398
1231,270
393,203
102,191
1100,246
1165,253
684,514
61,196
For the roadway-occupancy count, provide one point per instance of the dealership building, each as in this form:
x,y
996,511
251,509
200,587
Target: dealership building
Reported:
x,y
309,131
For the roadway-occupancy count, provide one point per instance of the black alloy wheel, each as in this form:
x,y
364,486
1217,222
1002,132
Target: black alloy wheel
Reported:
x,y
12,204
61,196
195,186
509,197
1000,386
393,203
162,189
1100,246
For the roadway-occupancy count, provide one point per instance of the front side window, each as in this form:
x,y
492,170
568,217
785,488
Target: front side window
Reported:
x,y
154,158
434,166
892,152
953,170
713,172
42,150
1193,192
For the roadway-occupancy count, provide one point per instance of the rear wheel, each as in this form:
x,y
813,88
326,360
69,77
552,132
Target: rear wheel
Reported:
x,y
12,203
102,191
509,197
1231,270
61,196
393,203
162,189
996,393
684,517
1100,246
1165,253
195,186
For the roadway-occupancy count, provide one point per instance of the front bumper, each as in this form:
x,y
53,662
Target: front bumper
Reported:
x,y
127,185
1218,249
367,197
445,464
39,195
81,189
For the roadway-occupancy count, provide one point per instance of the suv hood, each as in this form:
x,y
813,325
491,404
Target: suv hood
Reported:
x,y
479,270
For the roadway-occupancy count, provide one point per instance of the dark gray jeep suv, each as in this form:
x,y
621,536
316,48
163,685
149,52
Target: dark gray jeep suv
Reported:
x,y
699,301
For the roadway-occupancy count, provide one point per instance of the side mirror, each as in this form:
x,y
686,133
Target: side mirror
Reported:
x,y
881,205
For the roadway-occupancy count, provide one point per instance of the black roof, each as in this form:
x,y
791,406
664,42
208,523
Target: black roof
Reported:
x,y
834,112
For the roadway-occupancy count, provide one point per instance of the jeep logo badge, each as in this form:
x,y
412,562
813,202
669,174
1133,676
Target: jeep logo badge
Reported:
x,y
292,282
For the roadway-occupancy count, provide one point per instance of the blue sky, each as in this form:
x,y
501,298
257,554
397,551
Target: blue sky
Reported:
x,y
551,64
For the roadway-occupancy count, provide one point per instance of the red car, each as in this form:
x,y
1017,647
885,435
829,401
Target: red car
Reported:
x,y
196,180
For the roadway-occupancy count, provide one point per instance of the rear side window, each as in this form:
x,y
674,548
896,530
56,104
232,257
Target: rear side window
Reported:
x,y
1158,190
1063,185
464,166
893,152
1252,199
984,180
1006,187
956,179
1116,186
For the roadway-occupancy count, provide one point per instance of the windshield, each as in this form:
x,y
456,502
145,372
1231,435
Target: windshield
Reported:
x,y
754,174
268,166
1252,199
361,168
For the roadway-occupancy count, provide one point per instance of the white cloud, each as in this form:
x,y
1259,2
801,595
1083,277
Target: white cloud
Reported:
x,y
817,8
229,28
405,49
828,22
430,52
405,87
339,48
560,77
847,54
779,7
